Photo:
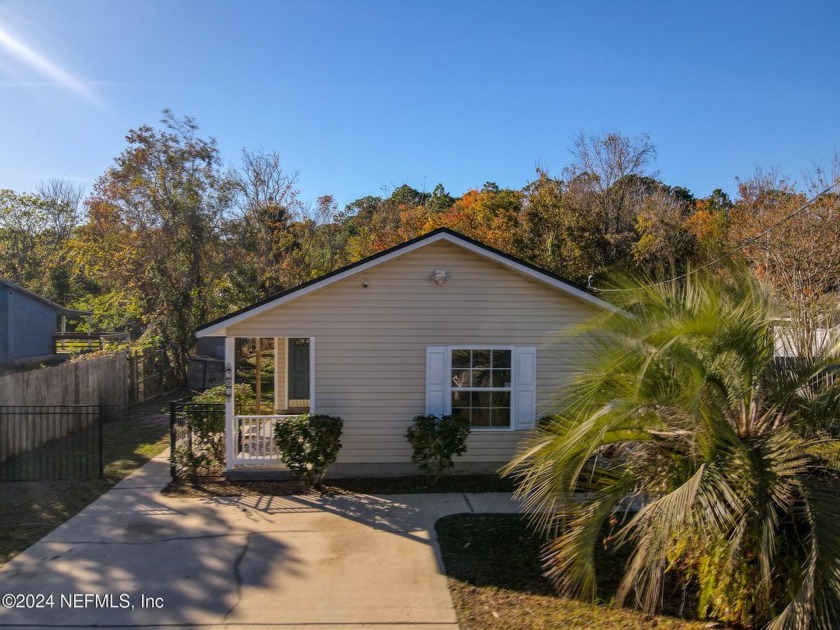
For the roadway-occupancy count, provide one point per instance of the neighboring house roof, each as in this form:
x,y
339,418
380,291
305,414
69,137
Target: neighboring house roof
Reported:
x,y
35,296
446,235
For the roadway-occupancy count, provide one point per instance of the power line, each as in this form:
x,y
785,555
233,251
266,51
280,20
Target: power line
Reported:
x,y
753,239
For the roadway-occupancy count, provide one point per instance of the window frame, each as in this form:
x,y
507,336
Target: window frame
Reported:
x,y
512,389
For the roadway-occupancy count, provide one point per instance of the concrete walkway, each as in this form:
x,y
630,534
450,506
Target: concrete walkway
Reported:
x,y
296,562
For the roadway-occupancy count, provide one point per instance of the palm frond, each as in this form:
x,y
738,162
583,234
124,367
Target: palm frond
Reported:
x,y
684,403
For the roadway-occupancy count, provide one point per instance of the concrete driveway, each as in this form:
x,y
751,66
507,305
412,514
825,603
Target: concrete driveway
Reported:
x,y
136,558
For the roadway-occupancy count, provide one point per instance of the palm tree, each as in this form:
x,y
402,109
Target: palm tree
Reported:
x,y
709,455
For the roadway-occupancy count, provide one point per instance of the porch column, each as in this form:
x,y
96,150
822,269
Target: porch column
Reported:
x,y
312,375
281,379
230,402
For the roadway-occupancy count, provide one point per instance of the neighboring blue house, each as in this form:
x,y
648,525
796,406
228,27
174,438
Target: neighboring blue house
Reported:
x,y
29,322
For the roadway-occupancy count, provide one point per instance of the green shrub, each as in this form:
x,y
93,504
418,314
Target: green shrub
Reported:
x,y
308,445
436,440
213,395
206,448
243,396
194,461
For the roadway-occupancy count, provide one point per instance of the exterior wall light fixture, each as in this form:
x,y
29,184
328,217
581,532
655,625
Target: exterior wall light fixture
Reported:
x,y
440,276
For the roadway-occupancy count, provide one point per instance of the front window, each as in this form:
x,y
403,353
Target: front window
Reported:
x,y
481,386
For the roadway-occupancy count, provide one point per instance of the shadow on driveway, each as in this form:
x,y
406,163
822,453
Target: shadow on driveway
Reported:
x,y
130,543
309,561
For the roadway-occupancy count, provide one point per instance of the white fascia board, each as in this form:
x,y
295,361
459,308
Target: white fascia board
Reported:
x,y
216,332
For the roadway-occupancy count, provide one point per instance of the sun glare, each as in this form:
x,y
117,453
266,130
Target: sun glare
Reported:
x,y
46,67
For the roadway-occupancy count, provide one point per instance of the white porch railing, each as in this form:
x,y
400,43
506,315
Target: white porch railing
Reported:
x,y
255,440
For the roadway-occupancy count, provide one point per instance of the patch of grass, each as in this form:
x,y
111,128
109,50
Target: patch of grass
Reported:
x,y
130,443
31,509
495,579
219,486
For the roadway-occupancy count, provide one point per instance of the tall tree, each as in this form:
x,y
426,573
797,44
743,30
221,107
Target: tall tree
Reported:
x,y
551,234
154,230
321,243
261,241
607,181
709,224
665,241
376,224
491,216
23,220
62,201
439,200
798,252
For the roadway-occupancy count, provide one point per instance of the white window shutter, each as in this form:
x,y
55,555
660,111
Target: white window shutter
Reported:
x,y
436,380
525,380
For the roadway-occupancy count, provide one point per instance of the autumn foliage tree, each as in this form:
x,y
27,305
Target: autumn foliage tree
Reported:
x,y
171,239
154,231
259,240
22,221
709,224
606,183
665,241
800,255
490,215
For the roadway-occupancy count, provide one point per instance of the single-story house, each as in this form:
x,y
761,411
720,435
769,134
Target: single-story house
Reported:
x,y
29,323
441,323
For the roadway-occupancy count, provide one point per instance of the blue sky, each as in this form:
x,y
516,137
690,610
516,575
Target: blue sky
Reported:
x,y
361,95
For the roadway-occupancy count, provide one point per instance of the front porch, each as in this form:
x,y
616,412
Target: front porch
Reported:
x,y
267,380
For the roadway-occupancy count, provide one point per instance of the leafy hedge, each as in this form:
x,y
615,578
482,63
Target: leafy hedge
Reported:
x,y
309,444
436,440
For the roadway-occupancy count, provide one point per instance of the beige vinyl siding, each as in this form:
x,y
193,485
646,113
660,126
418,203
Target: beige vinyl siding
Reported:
x,y
370,343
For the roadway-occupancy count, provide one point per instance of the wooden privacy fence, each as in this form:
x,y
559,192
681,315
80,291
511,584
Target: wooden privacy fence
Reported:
x,y
111,382
149,375
50,442
97,381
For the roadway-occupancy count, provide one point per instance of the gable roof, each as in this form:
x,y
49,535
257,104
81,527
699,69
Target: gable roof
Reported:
x,y
216,327
35,296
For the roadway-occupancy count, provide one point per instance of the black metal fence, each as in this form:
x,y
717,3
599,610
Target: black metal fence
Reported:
x,y
196,438
41,442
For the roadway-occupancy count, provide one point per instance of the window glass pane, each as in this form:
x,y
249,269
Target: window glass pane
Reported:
x,y
500,400
483,399
460,359
480,417
481,378
501,378
460,400
461,378
481,358
501,359
501,417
